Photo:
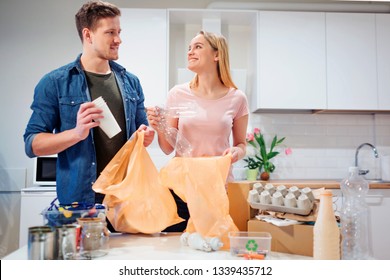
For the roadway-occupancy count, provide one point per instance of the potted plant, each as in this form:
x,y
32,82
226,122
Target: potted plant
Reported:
x,y
253,168
262,157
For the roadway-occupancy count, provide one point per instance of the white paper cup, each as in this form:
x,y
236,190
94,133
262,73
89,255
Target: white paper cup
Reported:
x,y
108,124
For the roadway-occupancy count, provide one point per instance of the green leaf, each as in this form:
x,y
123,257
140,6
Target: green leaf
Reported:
x,y
273,143
272,154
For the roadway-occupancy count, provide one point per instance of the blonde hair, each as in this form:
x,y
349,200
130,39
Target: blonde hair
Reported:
x,y
219,44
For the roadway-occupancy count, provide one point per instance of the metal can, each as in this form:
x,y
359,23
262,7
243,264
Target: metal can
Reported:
x,y
41,245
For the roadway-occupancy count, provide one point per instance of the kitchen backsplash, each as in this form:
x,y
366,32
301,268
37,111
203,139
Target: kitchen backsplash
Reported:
x,y
323,145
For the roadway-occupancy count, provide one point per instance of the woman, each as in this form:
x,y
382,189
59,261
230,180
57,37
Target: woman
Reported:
x,y
221,109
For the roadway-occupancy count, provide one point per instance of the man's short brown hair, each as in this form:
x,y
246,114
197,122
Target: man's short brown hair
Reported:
x,y
90,13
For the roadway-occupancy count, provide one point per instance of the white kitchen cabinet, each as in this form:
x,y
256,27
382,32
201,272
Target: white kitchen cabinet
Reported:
x,y
33,201
351,61
291,60
143,51
378,201
383,60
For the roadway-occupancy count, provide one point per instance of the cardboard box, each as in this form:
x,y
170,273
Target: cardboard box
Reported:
x,y
239,208
293,239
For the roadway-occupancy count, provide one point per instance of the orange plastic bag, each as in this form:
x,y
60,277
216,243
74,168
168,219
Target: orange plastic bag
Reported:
x,y
201,182
136,200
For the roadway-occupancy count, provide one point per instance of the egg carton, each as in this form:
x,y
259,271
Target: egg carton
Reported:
x,y
281,199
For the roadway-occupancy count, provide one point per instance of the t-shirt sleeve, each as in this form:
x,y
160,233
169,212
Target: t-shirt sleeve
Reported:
x,y
242,102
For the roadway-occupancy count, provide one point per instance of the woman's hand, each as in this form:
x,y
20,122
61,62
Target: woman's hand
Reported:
x,y
236,153
154,117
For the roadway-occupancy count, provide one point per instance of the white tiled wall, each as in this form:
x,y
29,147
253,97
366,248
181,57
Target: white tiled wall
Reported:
x,y
323,145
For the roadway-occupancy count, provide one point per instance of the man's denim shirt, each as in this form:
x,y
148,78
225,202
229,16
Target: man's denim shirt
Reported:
x,y
57,99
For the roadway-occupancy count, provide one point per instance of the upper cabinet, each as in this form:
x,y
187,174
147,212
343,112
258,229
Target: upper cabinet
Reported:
x,y
143,51
291,61
351,61
282,60
383,60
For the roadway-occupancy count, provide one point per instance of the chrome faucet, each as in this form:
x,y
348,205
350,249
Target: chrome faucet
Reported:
x,y
364,172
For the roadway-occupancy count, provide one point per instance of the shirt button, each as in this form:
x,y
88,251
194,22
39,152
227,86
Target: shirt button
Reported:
x,y
93,163
72,102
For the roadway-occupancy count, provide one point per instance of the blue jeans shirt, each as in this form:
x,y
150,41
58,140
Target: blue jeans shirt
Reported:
x,y
57,99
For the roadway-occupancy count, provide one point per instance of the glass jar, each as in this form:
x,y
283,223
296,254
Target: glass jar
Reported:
x,y
94,238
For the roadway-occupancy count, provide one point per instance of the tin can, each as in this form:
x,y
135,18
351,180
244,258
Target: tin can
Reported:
x,y
41,245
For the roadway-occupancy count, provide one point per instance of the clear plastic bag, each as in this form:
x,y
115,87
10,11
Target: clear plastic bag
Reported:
x,y
174,137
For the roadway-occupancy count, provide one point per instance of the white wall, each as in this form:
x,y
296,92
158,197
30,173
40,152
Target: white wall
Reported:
x,y
324,145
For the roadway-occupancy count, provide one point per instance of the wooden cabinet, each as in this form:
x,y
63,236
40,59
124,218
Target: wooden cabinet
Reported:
x,y
143,51
351,61
383,60
291,60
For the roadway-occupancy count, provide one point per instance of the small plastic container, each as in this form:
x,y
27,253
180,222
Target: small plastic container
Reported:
x,y
68,214
244,242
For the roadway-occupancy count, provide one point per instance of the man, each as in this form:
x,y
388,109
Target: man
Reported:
x,y
64,121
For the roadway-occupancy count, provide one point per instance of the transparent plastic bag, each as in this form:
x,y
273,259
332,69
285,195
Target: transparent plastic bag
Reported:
x,y
174,137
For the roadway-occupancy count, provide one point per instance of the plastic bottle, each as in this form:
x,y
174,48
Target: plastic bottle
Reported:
x,y
354,217
326,233
196,241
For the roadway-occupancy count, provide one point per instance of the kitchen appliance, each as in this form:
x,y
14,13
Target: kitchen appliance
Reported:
x,y
45,170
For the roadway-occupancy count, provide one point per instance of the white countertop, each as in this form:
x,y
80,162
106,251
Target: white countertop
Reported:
x,y
39,189
160,246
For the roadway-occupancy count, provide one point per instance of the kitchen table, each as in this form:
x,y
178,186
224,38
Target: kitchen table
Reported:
x,y
159,246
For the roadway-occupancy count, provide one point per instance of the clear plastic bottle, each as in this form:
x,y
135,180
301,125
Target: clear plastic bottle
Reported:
x,y
354,217
326,233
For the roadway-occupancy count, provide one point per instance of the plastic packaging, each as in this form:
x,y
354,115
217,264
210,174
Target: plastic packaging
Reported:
x,y
215,243
354,217
196,241
174,137
326,234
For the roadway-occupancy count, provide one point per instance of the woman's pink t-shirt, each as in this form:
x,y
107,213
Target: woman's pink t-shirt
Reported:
x,y
209,130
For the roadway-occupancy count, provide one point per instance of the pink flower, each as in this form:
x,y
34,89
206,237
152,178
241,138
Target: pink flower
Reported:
x,y
250,137
256,131
288,151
